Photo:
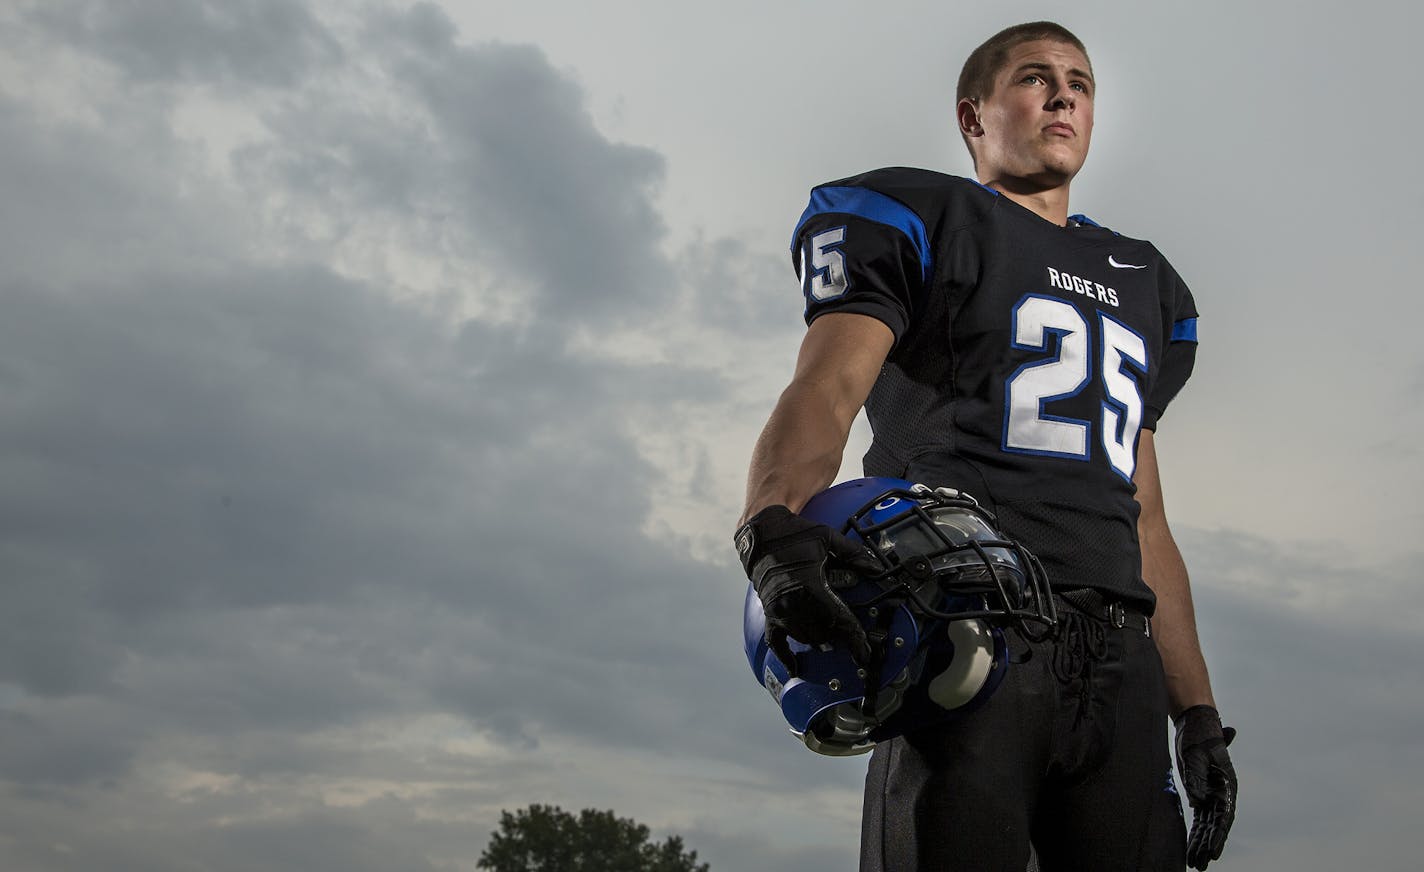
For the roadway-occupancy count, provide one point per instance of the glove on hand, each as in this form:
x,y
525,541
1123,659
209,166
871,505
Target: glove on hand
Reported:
x,y
788,558
1209,780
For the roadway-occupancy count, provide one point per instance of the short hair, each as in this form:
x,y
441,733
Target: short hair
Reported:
x,y
976,80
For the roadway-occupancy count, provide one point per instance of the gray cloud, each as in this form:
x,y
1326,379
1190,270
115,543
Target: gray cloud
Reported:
x,y
488,153
562,211
252,501
288,438
740,290
65,744
272,43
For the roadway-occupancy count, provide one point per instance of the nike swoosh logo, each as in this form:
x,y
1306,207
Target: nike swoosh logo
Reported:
x,y
1112,261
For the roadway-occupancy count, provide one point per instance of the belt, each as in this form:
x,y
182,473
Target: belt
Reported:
x,y
1118,613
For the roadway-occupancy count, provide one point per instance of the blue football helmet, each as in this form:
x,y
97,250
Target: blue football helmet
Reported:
x,y
935,616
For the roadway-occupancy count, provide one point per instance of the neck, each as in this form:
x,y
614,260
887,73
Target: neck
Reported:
x,y
1048,203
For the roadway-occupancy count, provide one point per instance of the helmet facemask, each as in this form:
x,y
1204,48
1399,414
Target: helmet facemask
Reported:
x,y
944,555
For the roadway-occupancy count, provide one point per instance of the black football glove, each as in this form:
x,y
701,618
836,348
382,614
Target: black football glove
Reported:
x,y
1209,779
789,560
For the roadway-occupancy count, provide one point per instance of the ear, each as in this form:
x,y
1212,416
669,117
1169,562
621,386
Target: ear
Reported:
x,y
968,113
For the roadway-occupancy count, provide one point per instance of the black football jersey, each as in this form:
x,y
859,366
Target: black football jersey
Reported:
x,y
1027,358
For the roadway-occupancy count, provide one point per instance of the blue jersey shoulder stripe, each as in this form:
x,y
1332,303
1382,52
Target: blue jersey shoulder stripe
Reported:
x,y
872,206
1185,330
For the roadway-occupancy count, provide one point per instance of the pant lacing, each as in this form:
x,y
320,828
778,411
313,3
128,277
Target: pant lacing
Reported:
x,y
1082,643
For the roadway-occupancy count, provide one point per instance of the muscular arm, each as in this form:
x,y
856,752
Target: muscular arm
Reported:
x,y
800,448
1174,625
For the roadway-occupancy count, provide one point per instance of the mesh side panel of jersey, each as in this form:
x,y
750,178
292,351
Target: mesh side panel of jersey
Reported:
x,y
1079,548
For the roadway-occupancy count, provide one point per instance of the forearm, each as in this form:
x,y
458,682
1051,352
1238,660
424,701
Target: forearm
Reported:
x,y
800,449
1174,623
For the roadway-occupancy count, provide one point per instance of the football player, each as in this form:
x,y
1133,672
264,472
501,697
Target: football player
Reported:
x,y
1025,355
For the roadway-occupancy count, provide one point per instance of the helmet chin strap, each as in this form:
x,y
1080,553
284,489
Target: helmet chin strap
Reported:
x,y
877,634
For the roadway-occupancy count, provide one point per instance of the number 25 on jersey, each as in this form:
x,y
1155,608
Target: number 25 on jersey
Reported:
x,y
1121,356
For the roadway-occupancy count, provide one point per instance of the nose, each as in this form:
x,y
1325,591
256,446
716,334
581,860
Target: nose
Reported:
x,y
1063,98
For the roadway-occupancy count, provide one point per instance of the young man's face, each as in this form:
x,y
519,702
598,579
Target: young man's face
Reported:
x,y
1037,123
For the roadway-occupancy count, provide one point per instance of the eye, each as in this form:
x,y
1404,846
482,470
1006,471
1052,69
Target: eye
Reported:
x,y
1031,78
1080,86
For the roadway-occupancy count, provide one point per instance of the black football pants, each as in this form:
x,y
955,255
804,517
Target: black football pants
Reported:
x,y
1070,753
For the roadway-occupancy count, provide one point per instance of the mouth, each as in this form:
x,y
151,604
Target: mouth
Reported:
x,y
1061,128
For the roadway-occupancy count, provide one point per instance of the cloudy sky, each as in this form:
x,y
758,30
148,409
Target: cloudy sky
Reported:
x,y
377,382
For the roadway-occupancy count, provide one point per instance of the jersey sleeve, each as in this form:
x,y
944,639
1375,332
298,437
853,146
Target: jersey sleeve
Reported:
x,y
860,251
1179,351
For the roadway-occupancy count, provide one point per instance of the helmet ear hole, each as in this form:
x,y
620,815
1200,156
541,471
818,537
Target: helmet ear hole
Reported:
x,y
969,668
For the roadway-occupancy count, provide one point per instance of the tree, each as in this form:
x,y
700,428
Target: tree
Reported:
x,y
544,838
